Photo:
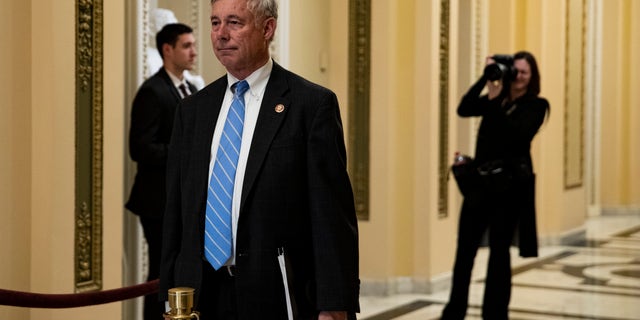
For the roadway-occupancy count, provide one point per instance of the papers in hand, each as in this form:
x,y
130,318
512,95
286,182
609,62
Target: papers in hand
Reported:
x,y
285,281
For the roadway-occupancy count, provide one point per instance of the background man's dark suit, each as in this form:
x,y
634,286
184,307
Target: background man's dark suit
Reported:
x,y
296,195
152,116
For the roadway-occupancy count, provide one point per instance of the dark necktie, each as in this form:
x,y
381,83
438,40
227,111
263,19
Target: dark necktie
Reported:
x,y
184,91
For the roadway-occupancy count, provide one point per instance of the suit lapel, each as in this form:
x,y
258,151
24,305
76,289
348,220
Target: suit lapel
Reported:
x,y
192,88
174,92
270,119
208,104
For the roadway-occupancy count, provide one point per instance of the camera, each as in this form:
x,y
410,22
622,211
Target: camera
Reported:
x,y
502,69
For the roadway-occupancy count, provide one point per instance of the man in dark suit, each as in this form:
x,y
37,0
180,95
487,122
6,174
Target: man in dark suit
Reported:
x,y
152,115
291,198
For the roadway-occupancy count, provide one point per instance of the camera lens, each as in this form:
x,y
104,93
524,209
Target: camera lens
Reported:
x,y
495,71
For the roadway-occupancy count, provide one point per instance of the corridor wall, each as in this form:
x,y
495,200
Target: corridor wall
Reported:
x,y
37,164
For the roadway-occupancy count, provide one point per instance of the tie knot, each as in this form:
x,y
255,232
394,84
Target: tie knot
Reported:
x,y
240,88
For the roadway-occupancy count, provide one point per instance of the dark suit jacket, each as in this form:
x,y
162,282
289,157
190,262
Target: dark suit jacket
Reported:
x,y
152,115
296,195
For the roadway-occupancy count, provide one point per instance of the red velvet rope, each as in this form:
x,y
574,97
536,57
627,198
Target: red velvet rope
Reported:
x,y
74,300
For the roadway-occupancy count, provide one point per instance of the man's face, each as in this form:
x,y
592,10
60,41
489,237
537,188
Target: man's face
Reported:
x,y
183,55
239,43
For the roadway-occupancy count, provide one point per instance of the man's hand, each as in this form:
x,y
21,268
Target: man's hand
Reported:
x,y
333,315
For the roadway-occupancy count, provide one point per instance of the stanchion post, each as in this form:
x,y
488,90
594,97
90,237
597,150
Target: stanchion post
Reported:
x,y
181,304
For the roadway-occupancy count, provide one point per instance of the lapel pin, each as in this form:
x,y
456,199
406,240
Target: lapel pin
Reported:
x,y
279,108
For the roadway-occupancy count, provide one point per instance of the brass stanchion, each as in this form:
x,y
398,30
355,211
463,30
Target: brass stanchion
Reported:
x,y
181,304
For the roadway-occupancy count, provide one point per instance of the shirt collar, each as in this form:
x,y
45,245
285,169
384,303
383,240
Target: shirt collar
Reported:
x,y
257,80
176,82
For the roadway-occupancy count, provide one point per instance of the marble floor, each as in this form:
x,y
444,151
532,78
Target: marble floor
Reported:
x,y
596,279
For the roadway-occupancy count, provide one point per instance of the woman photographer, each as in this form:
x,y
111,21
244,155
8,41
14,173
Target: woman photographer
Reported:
x,y
503,201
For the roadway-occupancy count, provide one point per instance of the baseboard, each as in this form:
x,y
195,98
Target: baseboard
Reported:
x,y
573,236
620,210
404,285
415,285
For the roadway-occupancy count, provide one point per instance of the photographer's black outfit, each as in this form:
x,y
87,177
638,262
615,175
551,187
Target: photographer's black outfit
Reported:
x,y
503,204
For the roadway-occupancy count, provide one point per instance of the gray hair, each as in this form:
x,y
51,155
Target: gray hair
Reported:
x,y
261,9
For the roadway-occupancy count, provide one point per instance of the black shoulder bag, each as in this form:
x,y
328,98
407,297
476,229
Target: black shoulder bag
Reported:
x,y
465,171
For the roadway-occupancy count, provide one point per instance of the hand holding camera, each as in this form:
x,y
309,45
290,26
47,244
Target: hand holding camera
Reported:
x,y
499,71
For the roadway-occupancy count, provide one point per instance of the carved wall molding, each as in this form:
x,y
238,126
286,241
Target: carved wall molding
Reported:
x,y
146,30
88,171
480,26
443,152
359,107
574,145
193,16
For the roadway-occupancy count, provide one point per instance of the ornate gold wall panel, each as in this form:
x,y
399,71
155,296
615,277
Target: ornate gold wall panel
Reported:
x,y
443,148
88,176
359,89
574,94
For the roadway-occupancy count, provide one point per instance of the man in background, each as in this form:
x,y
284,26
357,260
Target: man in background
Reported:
x,y
152,116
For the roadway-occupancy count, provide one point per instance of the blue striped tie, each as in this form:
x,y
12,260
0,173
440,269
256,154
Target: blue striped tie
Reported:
x,y
217,242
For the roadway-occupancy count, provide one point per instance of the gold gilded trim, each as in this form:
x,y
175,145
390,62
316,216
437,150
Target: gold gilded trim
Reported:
x,y
443,152
574,145
359,89
88,180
